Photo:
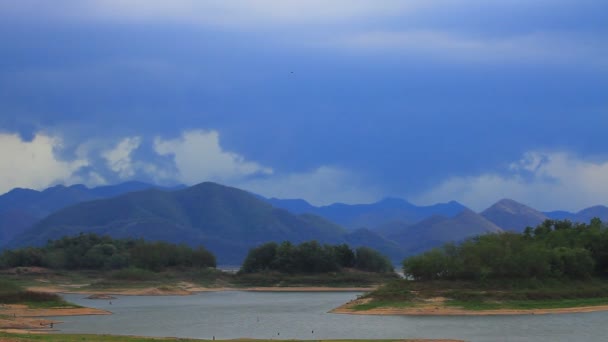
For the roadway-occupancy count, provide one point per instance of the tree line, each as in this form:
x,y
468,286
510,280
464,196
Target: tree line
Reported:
x,y
91,251
553,249
312,257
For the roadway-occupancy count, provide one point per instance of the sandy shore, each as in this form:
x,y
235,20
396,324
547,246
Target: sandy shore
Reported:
x,y
185,289
17,317
435,307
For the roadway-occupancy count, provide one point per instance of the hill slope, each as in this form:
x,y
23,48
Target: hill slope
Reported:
x,y
21,208
585,215
228,221
438,230
513,216
373,215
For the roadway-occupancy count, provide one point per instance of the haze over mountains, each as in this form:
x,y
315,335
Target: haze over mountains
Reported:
x,y
229,221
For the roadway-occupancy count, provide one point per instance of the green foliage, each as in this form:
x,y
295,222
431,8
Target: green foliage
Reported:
x,y
350,278
132,274
367,259
260,258
312,257
554,249
90,251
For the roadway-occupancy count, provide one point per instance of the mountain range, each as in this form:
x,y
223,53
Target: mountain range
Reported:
x,y
229,221
21,208
354,216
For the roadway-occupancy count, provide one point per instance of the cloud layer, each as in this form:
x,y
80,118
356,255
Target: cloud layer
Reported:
x,y
543,180
364,97
33,164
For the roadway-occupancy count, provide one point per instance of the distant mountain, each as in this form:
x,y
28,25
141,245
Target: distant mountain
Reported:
x,y
438,230
13,222
368,238
21,208
585,215
228,221
354,216
559,215
513,216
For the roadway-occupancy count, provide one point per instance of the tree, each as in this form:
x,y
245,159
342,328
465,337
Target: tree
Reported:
x,y
370,260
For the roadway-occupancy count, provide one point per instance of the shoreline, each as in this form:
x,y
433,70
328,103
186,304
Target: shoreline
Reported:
x,y
437,309
18,318
186,289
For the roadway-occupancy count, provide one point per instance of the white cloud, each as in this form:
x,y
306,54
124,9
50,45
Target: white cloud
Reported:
x,y
552,47
321,186
543,180
240,13
119,158
33,164
199,157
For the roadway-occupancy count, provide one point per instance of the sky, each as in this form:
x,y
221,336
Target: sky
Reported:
x,y
329,101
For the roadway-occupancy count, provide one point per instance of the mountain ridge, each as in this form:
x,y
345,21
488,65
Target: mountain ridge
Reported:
x,y
228,221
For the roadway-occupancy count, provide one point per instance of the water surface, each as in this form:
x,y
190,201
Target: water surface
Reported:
x,y
303,315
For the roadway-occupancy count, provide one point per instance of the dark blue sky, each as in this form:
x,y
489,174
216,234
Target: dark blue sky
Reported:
x,y
328,101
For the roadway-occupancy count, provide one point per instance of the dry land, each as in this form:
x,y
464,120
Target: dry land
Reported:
x,y
21,318
445,298
438,307
11,337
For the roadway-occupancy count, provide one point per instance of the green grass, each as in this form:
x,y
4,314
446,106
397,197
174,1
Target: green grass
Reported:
x,y
492,295
13,293
111,338
527,304
133,278
374,304
331,279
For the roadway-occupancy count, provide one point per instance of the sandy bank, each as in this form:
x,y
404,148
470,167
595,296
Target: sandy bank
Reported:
x,y
20,317
185,288
437,308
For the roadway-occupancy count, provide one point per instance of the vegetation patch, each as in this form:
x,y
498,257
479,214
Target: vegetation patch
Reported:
x,y
527,304
93,252
11,293
558,264
312,257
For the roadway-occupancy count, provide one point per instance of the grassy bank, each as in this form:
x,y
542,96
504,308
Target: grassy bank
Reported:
x,y
175,279
109,338
350,278
491,295
13,293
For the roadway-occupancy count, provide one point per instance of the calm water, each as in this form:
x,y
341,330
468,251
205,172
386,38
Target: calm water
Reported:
x,y
234,314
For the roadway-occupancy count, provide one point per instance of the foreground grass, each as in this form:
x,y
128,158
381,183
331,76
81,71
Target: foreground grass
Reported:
x,y
110,338
496,295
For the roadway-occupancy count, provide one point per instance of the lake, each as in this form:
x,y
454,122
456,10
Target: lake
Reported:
x,y
303,315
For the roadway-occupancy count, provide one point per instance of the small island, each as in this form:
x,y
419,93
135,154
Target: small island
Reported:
x,y
556,267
